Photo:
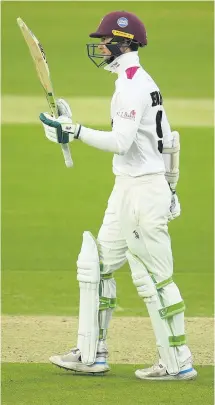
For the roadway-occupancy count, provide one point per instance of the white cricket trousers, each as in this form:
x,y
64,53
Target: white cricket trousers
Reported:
x,y
136,219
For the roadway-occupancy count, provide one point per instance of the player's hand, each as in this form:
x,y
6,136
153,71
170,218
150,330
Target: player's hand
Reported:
x,y
59,130
175,207
63,108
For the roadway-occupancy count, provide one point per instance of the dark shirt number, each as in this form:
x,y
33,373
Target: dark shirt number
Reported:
x,y
157,100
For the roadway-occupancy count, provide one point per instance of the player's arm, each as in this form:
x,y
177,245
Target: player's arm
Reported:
x,y
124,127
119,140
171,151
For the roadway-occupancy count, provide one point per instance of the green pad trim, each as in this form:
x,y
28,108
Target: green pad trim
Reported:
x,y
102,334
177,340
172,310
106,276
163,284
106,303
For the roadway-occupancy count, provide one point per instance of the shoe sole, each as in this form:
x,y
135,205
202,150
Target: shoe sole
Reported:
x,y
180,377
82,369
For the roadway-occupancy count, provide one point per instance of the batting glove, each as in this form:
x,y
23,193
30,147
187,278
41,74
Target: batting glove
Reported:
x,y
63,108
61,129
175,207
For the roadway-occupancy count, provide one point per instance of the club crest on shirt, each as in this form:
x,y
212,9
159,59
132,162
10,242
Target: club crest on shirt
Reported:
x,y
127,115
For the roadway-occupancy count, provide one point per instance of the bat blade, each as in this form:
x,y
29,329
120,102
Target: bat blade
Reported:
x,y
39,57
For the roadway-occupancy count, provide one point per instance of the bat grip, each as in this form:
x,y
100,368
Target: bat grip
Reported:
x,y
67,155
64,146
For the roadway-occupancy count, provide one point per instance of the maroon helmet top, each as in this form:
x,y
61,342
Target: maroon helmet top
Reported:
x,y
124,22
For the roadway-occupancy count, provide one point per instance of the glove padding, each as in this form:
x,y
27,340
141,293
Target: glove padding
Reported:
x,y
63,108
60,130
175,207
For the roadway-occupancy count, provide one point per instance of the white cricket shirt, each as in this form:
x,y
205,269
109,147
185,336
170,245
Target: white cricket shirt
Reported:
x,y
139,124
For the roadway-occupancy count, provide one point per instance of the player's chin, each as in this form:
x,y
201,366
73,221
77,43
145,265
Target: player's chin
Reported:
x,y
108,59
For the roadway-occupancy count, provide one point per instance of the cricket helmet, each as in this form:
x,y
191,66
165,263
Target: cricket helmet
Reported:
x,y
125,29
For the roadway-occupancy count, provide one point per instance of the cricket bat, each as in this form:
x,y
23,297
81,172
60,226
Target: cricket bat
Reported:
x,y
39,58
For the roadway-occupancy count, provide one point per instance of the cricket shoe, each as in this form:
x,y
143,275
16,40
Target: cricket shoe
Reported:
x,y
72,361
159,372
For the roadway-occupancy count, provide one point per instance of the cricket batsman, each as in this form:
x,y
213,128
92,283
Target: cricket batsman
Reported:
x,y
143,200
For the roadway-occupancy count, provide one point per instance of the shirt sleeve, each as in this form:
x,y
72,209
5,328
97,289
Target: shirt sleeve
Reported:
x,y
167,134
167,142
126,120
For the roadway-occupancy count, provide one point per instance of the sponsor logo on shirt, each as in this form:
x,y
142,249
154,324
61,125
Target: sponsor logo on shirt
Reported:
x,y
115,65
127,115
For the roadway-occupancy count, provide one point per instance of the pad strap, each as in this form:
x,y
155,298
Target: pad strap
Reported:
x,y
147,290
168,312
107,303
175,341
164,283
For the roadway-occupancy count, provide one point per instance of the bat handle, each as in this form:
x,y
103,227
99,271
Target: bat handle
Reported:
x,y
67,155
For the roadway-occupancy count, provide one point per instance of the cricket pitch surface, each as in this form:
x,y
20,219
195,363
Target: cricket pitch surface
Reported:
x,y
33,339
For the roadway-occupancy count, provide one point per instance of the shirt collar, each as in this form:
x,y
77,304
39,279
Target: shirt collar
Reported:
x,y
123,62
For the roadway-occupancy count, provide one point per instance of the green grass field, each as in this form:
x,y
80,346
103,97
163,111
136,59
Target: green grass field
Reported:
x,y
177,48
46,207
47,386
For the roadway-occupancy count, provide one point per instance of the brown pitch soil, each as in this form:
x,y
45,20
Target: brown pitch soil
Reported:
x,y
27,339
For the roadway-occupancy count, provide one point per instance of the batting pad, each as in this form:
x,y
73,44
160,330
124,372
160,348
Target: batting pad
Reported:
x,y
89,278
107,292
147,290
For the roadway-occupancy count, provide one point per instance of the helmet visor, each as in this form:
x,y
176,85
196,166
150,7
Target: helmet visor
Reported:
x,y
116,46
95,54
